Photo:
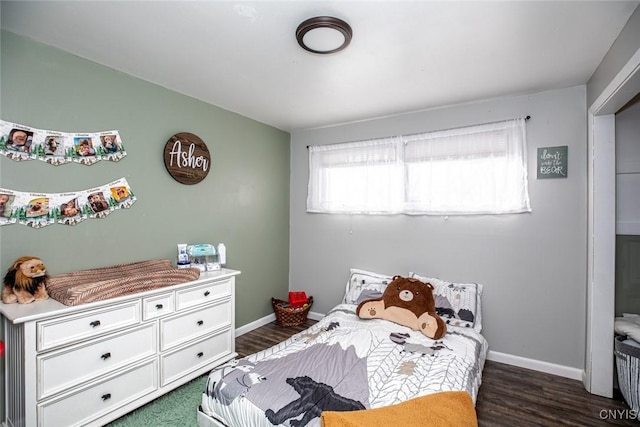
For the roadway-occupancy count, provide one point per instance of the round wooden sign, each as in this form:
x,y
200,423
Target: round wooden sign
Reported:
x,y
187,158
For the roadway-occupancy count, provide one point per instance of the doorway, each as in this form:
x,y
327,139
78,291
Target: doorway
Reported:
x,y
599,373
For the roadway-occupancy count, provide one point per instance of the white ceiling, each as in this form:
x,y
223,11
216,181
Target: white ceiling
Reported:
x,y
405,55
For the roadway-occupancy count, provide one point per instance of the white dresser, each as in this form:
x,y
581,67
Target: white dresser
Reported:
x,y
92,363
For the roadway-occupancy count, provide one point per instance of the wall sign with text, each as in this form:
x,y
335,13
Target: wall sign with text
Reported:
x,y
552,162
187,158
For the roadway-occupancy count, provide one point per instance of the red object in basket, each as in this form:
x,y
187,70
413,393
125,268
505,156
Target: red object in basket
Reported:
x,y
297,299
1,348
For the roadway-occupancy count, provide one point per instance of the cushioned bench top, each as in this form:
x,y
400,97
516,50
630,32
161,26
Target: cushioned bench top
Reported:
x,y
103,283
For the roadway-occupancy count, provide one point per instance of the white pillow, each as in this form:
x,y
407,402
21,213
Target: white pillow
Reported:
x,y
458,304
629,326
363,284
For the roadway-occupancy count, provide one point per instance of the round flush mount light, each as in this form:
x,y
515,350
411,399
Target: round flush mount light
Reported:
x,y
324,35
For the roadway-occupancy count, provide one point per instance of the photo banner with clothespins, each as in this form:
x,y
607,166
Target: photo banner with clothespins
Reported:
x,y
19,142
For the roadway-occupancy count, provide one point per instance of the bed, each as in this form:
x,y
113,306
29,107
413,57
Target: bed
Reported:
x,y
346,366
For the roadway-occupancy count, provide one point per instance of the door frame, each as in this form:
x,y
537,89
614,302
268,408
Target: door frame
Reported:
x,y
601,226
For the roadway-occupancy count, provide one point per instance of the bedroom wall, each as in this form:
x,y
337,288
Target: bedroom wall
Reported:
x,y
243,201
533,266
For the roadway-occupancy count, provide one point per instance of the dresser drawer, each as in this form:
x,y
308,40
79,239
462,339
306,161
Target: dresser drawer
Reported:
x,y
157,306
193,324
85,404
201,294
74,365
180,362
65,330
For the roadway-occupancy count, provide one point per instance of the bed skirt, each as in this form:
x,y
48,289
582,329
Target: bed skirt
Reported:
x,y
205,420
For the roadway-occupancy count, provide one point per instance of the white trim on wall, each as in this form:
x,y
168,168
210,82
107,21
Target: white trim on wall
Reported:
x,y
255,324
268,319
598,374
598,377
536,365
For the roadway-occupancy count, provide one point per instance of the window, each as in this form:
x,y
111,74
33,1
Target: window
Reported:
x,y
471,170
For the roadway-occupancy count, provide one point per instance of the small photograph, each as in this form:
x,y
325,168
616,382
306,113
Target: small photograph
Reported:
x,y
120,194
53,145
83,150
97,202
53,148
6,203
84,146
16,142
33,210
19,140
70,208
111,147
37,207
110,143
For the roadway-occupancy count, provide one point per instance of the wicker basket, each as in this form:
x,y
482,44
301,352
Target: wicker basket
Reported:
x,y
628,367
289,316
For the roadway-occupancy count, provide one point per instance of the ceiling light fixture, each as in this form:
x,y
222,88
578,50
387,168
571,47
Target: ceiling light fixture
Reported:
x,y
324,35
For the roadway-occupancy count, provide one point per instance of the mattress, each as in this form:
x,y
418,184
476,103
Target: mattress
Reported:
x,y
342,363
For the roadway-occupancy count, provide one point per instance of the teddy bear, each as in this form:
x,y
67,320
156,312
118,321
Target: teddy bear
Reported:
x,y
25,281
408,302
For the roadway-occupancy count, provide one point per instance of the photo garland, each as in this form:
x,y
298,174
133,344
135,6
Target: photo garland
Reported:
x,y
41,209
19,142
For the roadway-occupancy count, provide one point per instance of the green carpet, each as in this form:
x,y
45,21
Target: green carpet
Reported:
x,y
175,409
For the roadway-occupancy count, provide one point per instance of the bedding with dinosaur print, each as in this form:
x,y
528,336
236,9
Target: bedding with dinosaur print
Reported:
x,y
342,363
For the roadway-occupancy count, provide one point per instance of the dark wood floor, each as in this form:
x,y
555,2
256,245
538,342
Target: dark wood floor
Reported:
x,y
509,396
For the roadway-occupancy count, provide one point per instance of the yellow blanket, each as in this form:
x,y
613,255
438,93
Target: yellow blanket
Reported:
x,y
444,409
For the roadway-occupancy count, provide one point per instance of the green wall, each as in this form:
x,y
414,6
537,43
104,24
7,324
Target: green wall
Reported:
x,y
243,202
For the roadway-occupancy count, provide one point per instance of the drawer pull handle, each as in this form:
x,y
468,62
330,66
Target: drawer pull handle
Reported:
x,y
159,306
94,323
106,396
200,322
200,354
106,356
207,293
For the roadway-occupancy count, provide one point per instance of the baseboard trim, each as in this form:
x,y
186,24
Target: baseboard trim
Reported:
x,y
315,316
536,365
255,324
268,319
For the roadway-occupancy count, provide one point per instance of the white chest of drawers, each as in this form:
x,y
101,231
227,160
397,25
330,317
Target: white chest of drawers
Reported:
x,y
92,363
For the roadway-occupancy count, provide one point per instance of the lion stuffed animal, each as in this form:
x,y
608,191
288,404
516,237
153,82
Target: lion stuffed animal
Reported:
x,y
408,302
25,281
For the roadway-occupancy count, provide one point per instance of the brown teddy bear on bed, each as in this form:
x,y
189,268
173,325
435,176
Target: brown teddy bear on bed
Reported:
x,y
25,281
408,302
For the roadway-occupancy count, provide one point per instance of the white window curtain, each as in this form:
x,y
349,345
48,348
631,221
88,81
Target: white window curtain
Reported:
x,y
472,170
356,177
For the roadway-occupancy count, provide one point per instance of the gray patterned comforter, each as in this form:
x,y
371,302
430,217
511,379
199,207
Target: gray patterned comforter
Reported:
x,y
342,363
